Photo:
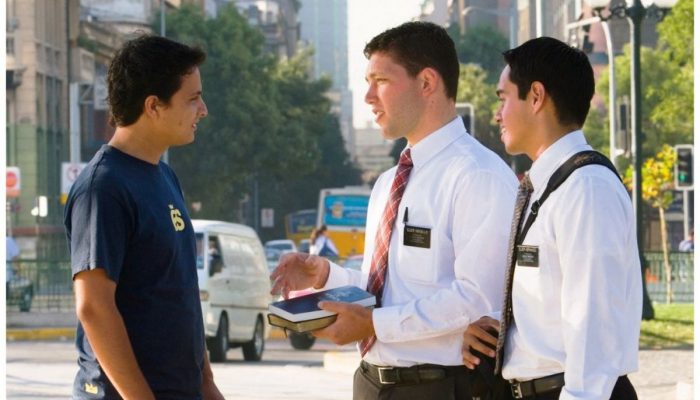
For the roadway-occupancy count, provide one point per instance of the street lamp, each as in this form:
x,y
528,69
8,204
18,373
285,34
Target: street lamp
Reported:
x,y
634,11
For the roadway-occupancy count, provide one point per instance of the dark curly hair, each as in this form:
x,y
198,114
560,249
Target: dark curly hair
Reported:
x,y
419,45
144,66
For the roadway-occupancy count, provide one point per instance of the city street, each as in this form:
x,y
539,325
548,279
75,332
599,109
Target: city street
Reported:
x,y
45,370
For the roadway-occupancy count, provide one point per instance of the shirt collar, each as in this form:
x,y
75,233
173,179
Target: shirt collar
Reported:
x,y
554,156
436,141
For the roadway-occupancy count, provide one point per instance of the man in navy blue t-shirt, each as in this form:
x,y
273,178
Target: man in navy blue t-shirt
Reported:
x,y
140,332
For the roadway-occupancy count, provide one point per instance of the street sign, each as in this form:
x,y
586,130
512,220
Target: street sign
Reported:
x,y
13,181
267,217
69,173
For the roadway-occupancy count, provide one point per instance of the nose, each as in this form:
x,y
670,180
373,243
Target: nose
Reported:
x,y
203,112
497,116
371,95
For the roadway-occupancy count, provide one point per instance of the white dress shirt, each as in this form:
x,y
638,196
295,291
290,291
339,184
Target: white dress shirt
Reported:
x,y
464,194
579,311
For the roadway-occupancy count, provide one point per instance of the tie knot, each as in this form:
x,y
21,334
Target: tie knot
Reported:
x,y
405,158
526,184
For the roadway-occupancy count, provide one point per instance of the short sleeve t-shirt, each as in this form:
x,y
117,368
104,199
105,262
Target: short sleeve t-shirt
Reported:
x,y
128,217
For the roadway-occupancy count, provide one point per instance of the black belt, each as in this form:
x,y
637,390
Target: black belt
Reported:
x,y
549,383
415,374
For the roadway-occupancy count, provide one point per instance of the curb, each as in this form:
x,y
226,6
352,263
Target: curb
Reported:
x,y
40,334
69,334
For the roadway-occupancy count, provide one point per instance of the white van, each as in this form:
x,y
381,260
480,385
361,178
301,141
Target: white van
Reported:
x,y
234,288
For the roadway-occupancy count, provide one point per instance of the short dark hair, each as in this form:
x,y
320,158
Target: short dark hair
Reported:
x,y
419,45
564,71
144,66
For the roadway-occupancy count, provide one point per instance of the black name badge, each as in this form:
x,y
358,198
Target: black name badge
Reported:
x,y
416,237
528,256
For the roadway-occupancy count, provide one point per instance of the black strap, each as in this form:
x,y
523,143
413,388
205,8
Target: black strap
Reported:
x,y
576,161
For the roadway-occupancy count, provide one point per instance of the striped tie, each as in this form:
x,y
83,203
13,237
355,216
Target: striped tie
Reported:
x,y
380,258
521,202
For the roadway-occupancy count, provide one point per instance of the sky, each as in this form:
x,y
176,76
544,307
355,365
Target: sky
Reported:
x,y
366,19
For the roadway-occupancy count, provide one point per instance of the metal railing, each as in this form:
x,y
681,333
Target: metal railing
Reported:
x,y
39,285
50,284
682,276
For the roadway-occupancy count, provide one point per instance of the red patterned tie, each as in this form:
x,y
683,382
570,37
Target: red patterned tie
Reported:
x,y
380,258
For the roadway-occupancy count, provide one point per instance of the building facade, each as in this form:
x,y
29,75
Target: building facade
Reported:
x,y
324,28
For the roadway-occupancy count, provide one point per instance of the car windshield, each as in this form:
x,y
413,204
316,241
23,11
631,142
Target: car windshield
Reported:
x,y
279,246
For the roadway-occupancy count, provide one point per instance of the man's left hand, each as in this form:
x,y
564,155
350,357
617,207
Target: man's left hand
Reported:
x,y
354,323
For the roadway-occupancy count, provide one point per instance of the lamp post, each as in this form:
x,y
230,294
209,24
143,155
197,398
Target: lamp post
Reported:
x,y
635,11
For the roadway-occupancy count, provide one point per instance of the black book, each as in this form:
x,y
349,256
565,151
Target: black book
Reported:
x,y
302,314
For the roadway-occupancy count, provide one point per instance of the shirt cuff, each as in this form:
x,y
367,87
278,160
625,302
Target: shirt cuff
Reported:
x,y
337,276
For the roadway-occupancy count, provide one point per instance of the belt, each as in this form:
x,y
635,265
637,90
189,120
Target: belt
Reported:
x,y
396,375
525,389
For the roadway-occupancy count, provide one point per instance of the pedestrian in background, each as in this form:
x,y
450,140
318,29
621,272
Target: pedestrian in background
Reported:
x,y
321,244
11,252
140,333
570,324
436,230
688,244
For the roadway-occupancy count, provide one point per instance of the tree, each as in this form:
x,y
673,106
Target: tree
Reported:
x,y
268,124
667,85
657,190
475,88
482,45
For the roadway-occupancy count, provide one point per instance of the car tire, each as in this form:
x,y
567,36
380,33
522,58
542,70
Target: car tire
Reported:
x,y
301,341
218,345
253,350
25,303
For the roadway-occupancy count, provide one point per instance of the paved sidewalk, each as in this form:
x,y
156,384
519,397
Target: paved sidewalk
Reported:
x,y
662,375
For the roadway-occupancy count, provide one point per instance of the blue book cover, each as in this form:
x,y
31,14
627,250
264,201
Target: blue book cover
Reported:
x,y
306,307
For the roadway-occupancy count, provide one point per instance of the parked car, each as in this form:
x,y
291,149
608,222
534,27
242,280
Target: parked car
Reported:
x,y
304,245
354,262
20,292
272,256
283,245
234,288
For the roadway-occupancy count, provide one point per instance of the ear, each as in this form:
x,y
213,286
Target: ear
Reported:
x,y
539,95
150,106
429,80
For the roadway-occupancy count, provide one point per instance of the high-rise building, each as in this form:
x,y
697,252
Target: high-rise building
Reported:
x,y
324,27
37,55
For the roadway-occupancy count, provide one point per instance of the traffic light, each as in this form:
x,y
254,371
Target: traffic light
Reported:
x,y
684,167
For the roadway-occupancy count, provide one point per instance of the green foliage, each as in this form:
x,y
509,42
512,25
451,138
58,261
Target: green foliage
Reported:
x,y
475,88
268,124
657,178
482,45
671,328
667,85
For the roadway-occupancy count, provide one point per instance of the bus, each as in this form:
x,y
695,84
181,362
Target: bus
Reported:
x,y
298,225
344,212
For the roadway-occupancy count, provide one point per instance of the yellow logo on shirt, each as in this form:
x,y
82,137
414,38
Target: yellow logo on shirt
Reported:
x,y
90,388
176,216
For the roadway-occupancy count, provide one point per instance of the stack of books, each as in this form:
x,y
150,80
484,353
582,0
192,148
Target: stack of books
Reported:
x,y
302,314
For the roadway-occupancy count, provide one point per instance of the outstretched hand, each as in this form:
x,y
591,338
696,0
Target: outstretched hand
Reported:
x,y
298,271
479,336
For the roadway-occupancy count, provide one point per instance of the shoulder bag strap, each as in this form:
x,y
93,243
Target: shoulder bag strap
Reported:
x,y
576,161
